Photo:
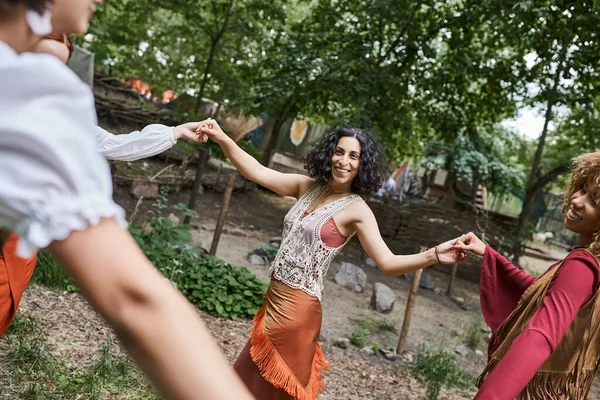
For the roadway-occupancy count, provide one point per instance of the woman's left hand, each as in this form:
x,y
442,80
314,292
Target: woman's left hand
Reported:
x,y
447,254
189,131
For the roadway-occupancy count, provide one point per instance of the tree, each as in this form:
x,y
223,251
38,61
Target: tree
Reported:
x,y
490,159
564,38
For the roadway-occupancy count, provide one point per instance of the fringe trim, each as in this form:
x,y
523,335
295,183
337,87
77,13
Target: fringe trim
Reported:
x,y
550,385
276,371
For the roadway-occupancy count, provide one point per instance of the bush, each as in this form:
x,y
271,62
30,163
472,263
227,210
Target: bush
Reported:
x,y
223,289
358,338
211,284
474,335
439,369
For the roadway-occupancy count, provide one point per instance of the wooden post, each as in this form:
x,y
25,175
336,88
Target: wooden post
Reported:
x,y
452,278
221,220
409,308
202,159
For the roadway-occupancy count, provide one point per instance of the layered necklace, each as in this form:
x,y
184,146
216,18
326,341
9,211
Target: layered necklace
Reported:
x,y
325,194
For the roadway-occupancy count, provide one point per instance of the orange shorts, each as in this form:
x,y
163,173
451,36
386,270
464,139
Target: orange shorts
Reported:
x,y
15,274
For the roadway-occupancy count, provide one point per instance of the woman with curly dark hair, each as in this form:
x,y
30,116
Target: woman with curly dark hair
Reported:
x,y
282,359
546,342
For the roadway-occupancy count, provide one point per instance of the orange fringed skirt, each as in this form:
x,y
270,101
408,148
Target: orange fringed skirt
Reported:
x,y
283,359
15,273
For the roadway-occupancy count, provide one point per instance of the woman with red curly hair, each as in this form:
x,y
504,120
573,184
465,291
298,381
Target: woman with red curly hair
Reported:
x,y
546,341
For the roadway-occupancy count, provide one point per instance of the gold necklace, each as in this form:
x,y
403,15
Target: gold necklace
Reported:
x,y
323,197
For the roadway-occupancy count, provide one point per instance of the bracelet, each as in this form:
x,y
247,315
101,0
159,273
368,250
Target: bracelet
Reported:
x,y
437,254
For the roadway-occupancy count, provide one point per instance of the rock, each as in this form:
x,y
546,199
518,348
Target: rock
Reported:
x,y
383,298
147,229
479,353
389,354
462,350
174,220
408,357
367,350
255,259
342,343
141,188
426,281
352,277
458,300
438,291
275,242
255,234
236,232
371,263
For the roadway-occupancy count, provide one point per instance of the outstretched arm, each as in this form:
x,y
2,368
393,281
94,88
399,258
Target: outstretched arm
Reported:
x,y
390,263
157,326
573,285
501,283
152,140
293,185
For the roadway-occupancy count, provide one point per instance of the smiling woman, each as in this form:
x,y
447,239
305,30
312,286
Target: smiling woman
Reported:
x,y
545,343
283,359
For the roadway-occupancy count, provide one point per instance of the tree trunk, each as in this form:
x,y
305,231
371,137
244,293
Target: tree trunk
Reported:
x,y
201,163
213,47
533,187
224,208
272,142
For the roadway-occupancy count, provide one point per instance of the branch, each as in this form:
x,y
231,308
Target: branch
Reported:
x,y
402,32
550,176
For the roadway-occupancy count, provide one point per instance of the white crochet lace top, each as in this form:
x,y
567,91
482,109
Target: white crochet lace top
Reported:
x,y
303,258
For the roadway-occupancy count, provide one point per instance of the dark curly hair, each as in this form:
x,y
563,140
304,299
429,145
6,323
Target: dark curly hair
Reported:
x,y
371,170
36,5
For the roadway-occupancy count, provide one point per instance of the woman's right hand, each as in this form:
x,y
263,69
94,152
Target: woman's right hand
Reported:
x,y
470,242
209,128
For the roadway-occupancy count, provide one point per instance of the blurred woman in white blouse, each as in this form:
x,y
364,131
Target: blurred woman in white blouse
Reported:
x,y
56,192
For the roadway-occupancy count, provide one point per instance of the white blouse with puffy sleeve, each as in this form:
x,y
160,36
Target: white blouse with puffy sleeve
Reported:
x,y
151,140
52,179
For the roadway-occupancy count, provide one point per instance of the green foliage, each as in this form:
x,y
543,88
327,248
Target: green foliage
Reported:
x,y
223,289
488,158
366,327
269,252
372,325
49,273
474,335
358,337
211,284
36,374
439,369
376,347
